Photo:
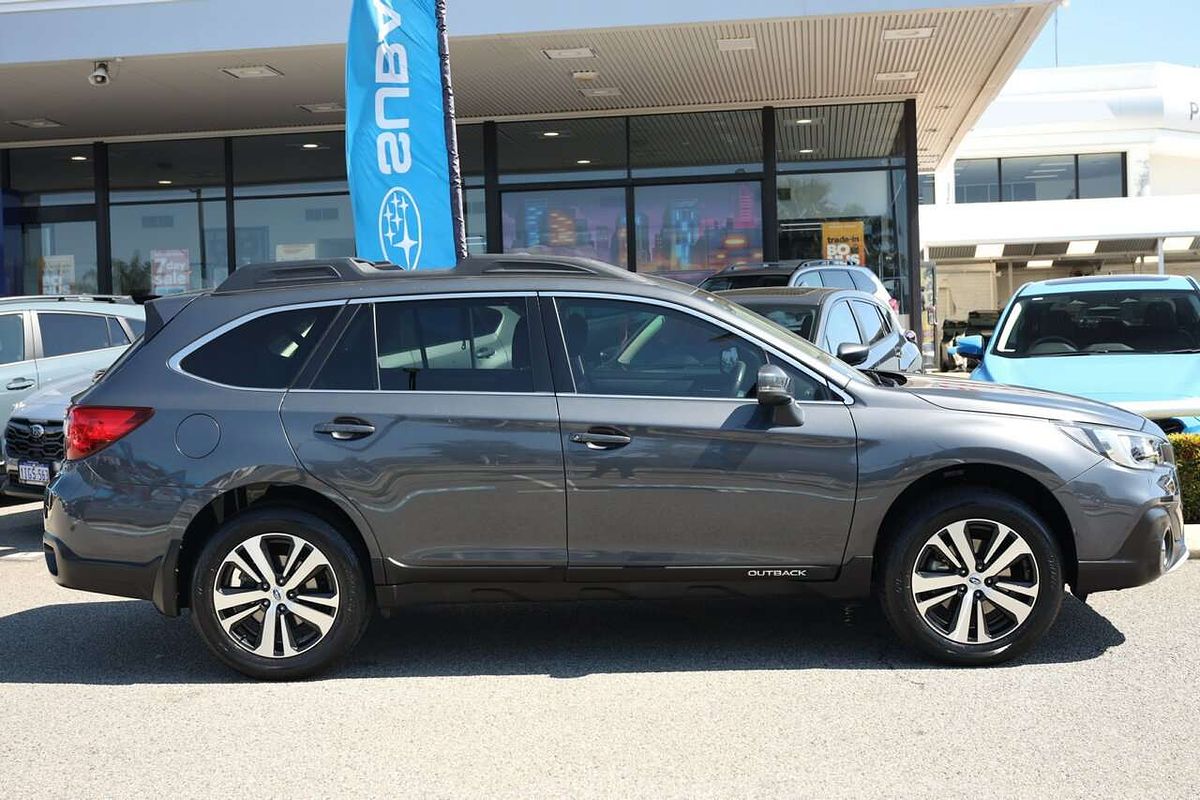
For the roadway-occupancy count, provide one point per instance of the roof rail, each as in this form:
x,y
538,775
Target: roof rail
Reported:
x,y
68,298
279,274
538,265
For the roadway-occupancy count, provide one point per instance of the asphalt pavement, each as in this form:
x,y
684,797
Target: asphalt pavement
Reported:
x,y
101,697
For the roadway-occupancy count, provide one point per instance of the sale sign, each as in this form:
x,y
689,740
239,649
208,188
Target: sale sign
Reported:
x,y
170,271
844,241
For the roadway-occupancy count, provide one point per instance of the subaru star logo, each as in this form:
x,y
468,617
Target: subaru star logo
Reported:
x,y
400,228
36,431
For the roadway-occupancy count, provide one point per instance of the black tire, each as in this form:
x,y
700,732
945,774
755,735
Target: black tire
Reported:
x,y
907,543
354,594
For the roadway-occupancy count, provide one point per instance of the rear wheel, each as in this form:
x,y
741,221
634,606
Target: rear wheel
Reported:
x,y
973,577
278,593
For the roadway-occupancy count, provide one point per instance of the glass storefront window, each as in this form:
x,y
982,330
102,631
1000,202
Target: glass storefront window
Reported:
x,y
561,150
290,163
1037,178
173,170
695,144
58,258
819,137
293,228
470,154
926,194
576,222
976,180
475,215
1101,175
164,248
50,176
692,230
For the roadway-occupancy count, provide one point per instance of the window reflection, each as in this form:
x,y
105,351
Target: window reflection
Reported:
x,y
575,222
693,230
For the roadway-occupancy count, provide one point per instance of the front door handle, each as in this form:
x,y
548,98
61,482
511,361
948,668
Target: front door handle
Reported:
x,y
602,438
17,384
345,428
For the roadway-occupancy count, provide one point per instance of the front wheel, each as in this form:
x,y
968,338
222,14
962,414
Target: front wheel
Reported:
x,y
278,593
973,577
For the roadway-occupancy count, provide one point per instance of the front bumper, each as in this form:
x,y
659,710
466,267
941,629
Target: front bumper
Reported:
x,y
1128,526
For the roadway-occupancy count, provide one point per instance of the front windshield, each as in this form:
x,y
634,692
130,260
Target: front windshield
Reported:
x,y
763,326
1088,322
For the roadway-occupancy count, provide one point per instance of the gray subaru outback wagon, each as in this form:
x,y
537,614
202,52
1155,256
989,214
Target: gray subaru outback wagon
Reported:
x,y
310,441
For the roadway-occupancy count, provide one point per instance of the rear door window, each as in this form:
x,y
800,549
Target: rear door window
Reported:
x,y
266,352
64,333
838,278
12,338
840,328
116,334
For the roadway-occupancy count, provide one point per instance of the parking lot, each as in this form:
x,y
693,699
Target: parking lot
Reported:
x,y
103,697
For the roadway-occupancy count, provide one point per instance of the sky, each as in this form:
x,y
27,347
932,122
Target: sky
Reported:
x,y
1121,31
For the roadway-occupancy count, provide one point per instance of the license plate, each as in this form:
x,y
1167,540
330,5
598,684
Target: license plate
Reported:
x,y
33,472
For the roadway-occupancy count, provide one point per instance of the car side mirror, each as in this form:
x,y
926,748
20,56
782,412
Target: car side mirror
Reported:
x,y
774,391
911,336
970,347
853,354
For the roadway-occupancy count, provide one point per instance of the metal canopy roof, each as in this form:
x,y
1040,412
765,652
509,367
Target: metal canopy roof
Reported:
x,y
795,61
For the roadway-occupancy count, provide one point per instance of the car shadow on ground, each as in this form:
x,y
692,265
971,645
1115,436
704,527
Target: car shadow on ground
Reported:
x,y
122,642
20,526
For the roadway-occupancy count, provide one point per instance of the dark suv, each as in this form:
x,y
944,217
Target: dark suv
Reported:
x,y
310,441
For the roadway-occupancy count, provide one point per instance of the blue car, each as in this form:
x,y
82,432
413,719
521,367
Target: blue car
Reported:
x,y
1128,340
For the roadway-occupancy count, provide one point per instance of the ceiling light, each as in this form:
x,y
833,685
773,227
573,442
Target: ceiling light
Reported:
x,y
1040,263
989,250
165,182
1174,244
804,150
1084,247
310,146
322,108
79,158
602,91
585,75
551,134
896,76
583,161
569,52
805,121
252,71
907,34
734,45
38,122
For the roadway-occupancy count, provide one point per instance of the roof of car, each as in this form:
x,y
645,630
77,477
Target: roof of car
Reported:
x,y
788,267
789,295
1100,283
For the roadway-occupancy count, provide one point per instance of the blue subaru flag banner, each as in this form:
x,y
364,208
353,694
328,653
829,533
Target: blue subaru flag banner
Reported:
x,y
401,154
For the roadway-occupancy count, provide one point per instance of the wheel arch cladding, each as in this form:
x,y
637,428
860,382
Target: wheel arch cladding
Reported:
x,y
993,477
233,502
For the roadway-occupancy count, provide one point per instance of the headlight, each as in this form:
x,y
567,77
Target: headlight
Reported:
x,y
1125,447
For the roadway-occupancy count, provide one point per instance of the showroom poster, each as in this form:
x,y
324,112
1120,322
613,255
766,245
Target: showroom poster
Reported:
x,y
170,271
844,241
58,274
401,152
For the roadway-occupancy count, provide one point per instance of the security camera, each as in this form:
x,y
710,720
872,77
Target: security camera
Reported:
x,y
100,75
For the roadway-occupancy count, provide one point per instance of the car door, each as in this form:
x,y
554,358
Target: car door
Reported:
x,y
878,334
671,462
74,344
436,417
18,368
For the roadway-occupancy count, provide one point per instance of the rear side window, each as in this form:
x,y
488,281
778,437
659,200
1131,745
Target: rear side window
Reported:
x,y
869,321
72,333
478,344
839,278
862,281
266,352
12,338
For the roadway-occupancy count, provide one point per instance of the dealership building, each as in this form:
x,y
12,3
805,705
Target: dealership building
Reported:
x,y
659,136
1071,171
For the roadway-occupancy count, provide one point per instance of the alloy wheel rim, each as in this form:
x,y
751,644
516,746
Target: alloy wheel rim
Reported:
x,y
975,581
276,595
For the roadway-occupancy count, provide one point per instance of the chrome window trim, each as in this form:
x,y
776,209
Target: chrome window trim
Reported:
x,y
400,298
174,363
408,392
812,372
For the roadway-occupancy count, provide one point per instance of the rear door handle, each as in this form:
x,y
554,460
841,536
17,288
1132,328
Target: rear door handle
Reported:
x,y
345,428
485,352
19,383
602,438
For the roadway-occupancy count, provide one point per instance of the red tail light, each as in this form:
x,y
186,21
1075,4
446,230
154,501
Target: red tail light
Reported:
x,y
92,428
